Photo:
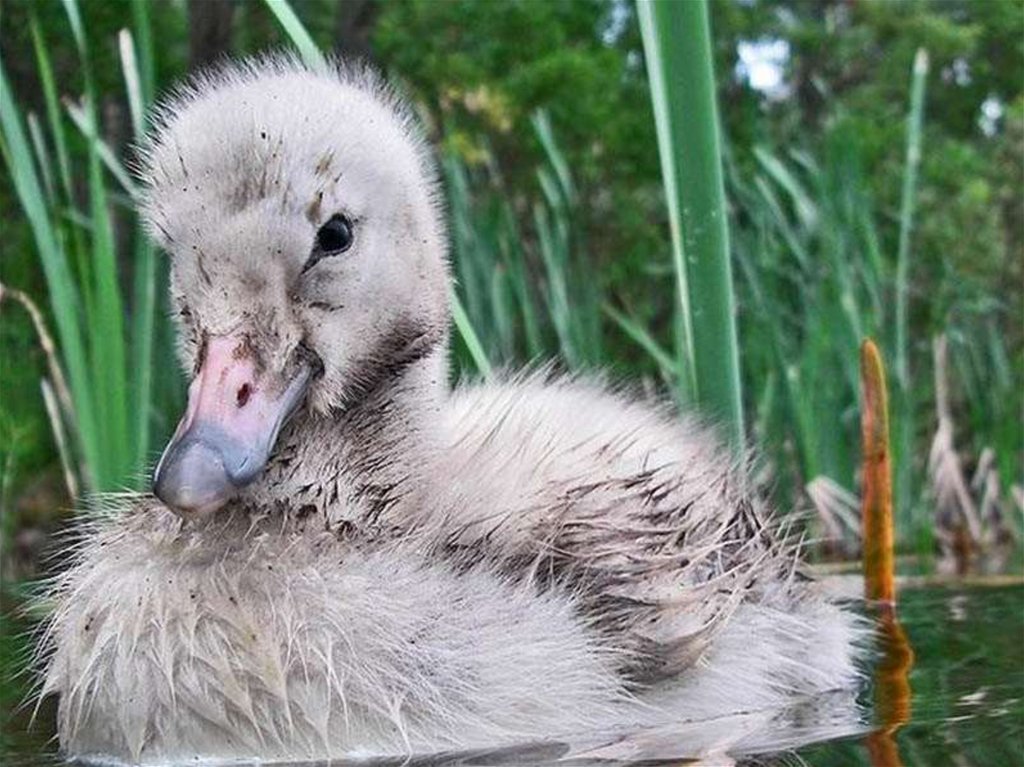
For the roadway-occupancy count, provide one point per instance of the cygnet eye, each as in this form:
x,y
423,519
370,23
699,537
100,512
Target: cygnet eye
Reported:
x,y
334,237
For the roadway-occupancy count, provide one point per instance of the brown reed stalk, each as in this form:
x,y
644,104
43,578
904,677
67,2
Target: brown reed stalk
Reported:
x,y
876,498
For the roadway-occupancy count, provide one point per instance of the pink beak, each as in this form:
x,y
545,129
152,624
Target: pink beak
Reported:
x,y
224,439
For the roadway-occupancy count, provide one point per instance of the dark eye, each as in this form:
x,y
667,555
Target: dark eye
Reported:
x,y
335,236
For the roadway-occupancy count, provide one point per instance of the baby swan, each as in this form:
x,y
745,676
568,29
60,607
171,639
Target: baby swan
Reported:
x,y
345,556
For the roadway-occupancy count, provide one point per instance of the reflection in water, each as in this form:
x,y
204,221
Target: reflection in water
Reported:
x,y
719,741
892,690
967,706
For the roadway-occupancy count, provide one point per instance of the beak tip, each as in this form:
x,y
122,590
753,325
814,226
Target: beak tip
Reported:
x,y
191,479
229,429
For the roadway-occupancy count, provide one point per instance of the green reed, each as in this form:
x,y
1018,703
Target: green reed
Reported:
x,y
104,334
677,46
813,273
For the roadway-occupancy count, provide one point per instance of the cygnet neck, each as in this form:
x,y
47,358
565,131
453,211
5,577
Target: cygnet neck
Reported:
x,y
361,463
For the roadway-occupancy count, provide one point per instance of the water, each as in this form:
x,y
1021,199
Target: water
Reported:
x,y
966,684
962,703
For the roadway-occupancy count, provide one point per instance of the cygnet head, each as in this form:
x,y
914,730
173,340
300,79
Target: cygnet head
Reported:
x,y
307,257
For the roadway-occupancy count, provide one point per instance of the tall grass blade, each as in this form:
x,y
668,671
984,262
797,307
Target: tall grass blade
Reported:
x,y
907,203
144,291
298,34
657,71
64,299
74,240
515,258
75,19
677,45
574,305
541,122
645,340
806,210
147,55
80,116
905,400
469,337
42,158
132,81
553,253
53,113
106,344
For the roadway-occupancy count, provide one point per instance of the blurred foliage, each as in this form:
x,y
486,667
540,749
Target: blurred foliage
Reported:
x,y
478,71
488,66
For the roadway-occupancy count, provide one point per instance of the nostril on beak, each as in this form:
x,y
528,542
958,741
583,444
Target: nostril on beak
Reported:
x,y
242,397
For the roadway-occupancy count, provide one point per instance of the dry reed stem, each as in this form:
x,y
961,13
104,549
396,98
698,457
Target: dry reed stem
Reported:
x,y
892,686
57,424
876,498
59,392
949,484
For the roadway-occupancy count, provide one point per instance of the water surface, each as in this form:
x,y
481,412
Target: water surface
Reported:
x,y
960,703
